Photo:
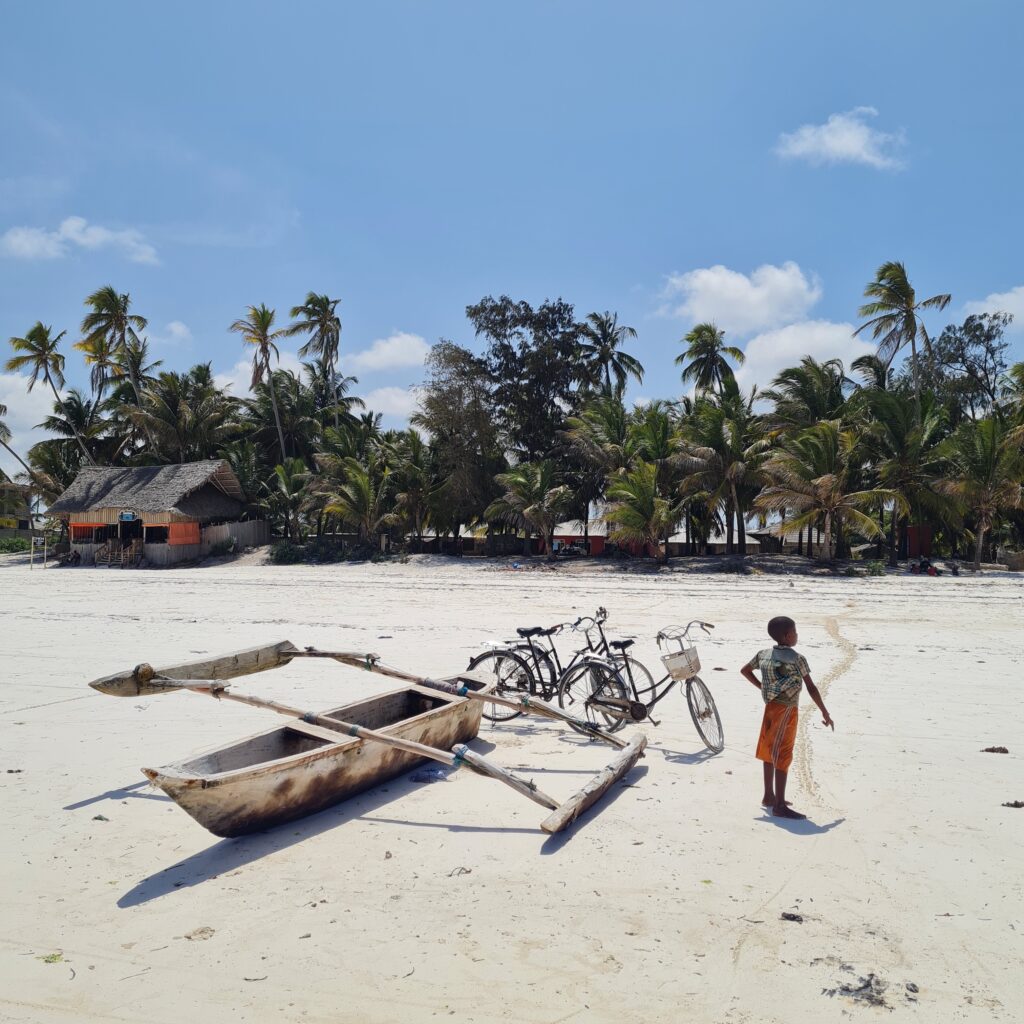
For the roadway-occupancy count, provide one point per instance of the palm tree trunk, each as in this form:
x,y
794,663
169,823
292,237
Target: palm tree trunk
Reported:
x,y
978,544
526,542
273,403
728,527
78,437
894,534
741,528
917,382
799,541
881,528
828,537
24,465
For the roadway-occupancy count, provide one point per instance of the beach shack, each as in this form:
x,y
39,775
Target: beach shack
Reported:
x,y
157,514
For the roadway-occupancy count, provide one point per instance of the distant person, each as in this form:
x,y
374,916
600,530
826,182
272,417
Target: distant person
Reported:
x,y
783,673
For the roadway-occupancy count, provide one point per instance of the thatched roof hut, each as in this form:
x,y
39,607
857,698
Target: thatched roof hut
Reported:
x,y
194,492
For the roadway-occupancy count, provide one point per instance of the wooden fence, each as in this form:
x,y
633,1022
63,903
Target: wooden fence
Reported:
x,y
247,534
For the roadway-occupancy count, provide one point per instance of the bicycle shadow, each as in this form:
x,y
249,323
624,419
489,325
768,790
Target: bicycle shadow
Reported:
x,y
683,757
800,826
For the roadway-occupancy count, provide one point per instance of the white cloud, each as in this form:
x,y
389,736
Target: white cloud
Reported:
x,y
767,298
26,243
772,351
398,350
176,333
392,401
845,138
24,411
1002,302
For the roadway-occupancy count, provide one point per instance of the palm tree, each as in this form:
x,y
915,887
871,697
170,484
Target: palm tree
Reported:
x,y
705,358
330,392
723,449
415,480
285,495
256,330
804,394
185,414
809,482
317,318
39,353
874,372
601,352
534,499
907,456
895,316
638,513
988,468
360,496
100,354
111,322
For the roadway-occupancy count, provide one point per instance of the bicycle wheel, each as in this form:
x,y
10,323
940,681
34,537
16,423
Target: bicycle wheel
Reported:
x,y
508,674
642,679
705,714
584,689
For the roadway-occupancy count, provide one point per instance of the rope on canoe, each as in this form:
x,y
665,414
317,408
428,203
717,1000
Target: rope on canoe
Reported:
x,y
309,718
459,760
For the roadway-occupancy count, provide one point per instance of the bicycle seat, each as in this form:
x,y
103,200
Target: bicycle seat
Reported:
x,y
621,645
528,631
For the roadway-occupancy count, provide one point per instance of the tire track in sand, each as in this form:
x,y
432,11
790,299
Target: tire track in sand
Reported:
x,y
803,758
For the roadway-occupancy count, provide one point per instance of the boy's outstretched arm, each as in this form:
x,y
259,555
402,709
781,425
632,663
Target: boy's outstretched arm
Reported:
x,y
815,695
748,673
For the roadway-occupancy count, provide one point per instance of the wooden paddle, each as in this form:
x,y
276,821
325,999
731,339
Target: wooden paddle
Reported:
x,y
146,682
371,663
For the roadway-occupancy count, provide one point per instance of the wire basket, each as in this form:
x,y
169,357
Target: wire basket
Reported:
x,y
682,665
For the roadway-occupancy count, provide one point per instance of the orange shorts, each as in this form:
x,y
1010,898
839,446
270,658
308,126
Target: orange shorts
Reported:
x,y
778,735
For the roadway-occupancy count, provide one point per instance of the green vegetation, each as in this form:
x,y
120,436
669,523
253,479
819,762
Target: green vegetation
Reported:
x,y
14,545
529,427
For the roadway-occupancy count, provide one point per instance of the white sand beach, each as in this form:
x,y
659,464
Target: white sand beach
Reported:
x,y
418,902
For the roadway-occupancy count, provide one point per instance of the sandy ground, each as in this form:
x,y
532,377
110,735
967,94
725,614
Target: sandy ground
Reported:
x,y
443,900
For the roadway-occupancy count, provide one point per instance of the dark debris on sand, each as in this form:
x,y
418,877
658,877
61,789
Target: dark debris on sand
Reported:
x,y
995,750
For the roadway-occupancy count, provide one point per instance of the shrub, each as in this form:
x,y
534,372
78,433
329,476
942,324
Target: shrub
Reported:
x,y
325,551
222,547
14,545
284,552
876,568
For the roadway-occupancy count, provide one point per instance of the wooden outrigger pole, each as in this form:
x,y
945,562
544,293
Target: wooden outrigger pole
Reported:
x,y
208,676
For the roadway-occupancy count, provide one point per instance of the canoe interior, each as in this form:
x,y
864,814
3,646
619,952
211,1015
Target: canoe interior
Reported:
x,y
297,769
289,740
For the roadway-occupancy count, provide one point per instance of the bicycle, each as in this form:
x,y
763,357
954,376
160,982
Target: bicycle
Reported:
x,y
527,667
681,664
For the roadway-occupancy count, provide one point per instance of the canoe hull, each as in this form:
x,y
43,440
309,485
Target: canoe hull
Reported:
x,y
296,769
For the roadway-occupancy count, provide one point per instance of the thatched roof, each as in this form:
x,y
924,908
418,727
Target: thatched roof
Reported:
x,y
155,489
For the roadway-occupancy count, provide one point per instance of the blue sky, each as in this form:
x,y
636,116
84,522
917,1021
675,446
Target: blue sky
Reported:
x,y
745,162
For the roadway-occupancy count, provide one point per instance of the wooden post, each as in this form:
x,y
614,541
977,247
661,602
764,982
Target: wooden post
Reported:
x,y
494,771
596,788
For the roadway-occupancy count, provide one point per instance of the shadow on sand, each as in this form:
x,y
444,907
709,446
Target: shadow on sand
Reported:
x,y
797,827
119,794
230,854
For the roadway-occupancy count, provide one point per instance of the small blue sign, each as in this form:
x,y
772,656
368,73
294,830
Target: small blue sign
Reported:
x,y
127,517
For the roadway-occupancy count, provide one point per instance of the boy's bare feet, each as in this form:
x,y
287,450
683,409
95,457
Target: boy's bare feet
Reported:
x,y
784,811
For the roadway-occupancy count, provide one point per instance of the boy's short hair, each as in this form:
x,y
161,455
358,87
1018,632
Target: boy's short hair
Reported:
x,y
779,627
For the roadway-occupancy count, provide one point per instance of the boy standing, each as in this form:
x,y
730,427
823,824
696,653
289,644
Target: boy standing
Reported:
x,y
783,672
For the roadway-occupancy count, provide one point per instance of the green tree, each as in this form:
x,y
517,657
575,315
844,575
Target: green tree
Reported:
x,y
907,456
317,317
109,326
286,493
39,354
809,481
257,330
360,497
895,316
987,470
704,362
638,513
533,364
534,499
601,353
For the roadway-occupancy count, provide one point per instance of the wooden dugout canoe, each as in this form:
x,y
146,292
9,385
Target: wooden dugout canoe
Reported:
x,y
296,768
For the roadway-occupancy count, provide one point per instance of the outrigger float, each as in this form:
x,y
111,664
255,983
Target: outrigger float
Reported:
x,y
322,758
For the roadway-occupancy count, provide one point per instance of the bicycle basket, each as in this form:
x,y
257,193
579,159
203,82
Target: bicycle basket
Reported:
x,y
682,665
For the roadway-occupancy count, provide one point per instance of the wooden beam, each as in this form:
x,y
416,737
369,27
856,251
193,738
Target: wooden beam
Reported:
x,y
597,787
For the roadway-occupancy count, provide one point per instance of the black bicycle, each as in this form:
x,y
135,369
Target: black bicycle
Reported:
x,y
532,666
681,666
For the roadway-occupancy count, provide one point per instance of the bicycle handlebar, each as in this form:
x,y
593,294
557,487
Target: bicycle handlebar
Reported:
x,y
669,632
